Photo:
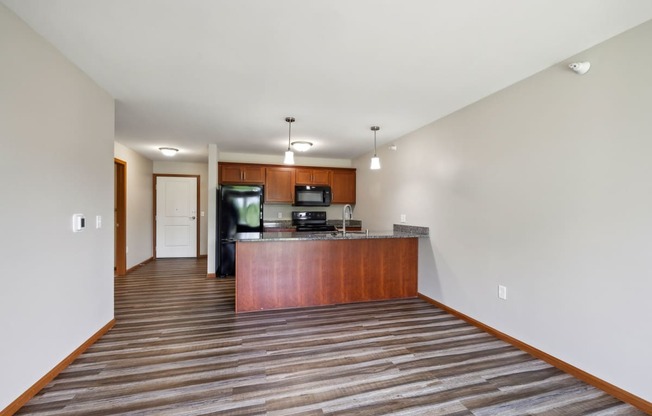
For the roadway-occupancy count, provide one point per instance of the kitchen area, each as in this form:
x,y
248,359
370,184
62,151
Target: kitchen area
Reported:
x,y
290,237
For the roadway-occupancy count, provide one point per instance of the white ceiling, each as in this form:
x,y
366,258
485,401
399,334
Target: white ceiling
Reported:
x,y
186,73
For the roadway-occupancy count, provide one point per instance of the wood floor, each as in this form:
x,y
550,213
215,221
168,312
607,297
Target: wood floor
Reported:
x,y
178,349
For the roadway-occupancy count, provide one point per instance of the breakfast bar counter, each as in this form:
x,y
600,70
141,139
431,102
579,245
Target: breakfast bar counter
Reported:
x,y
325,235
292,270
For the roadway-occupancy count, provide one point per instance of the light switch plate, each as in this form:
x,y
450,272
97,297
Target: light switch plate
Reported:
x,y
502,292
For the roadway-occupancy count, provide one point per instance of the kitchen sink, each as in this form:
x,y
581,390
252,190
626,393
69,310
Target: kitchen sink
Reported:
x,y
352,234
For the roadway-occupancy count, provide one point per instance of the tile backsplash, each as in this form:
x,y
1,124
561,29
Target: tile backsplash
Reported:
x,y
271,211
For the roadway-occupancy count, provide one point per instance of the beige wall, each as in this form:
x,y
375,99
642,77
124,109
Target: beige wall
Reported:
x,y
56,286
139,205
543,187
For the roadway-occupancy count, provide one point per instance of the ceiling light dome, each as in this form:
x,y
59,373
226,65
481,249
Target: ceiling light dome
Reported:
x,y
301,146
168,151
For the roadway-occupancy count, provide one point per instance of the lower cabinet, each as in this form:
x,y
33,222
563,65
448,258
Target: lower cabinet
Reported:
x,y
280,230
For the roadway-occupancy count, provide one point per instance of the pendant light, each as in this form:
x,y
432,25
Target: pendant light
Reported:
x,y
289,154
375,161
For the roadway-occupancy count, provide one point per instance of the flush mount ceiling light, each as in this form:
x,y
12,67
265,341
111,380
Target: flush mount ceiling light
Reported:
x,y
375,161
301,146
168,151
289,154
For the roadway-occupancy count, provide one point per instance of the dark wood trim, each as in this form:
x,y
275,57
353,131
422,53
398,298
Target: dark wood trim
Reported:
x,y
608,388
38,386
120,217
172,175
141,264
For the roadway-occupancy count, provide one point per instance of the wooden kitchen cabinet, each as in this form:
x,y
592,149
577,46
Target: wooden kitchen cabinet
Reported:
x,y
238,173
279,185
313,176
307,273
343,186
279,180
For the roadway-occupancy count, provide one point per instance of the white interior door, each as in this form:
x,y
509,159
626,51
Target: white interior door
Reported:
x,y
176,216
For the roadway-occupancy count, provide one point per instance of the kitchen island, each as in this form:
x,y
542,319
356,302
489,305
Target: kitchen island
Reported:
x,y
292,270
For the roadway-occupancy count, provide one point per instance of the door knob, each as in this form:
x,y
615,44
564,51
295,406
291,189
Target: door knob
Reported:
x,y
192,218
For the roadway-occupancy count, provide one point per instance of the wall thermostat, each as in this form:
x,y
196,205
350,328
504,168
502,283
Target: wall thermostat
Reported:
x,y
78,223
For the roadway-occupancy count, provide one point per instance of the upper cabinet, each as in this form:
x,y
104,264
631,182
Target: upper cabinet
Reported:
x,y
308,176
279,185
343,186
279,180
242,173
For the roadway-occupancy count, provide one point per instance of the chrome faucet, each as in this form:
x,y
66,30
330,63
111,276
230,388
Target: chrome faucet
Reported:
x,y
344,208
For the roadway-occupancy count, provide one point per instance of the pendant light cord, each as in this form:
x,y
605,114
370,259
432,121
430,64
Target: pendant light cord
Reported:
x,y
289,120
374,143
375,129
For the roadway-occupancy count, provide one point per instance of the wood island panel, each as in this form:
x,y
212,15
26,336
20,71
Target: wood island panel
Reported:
x,y
292,274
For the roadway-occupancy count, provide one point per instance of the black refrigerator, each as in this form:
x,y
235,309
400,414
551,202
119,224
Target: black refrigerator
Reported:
x,y
239,210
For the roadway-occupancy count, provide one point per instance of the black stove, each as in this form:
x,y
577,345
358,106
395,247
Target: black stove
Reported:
x,y
311,221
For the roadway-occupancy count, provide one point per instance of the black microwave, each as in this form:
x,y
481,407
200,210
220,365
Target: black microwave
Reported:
x,y
312,196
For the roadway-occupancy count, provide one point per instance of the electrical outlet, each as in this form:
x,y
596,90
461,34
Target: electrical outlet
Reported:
x,y
98,221
502,292
78,223
280,215
403,218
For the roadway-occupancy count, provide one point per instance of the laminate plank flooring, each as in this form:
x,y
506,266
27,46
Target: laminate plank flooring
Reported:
x,y
179,349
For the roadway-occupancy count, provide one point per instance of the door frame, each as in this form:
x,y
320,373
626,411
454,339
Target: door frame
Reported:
x,y
170,175
120,217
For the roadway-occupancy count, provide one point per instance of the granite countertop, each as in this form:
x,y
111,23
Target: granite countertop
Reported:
x,y
399,231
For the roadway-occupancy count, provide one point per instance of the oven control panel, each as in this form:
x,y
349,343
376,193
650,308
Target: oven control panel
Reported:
x,y
308,215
